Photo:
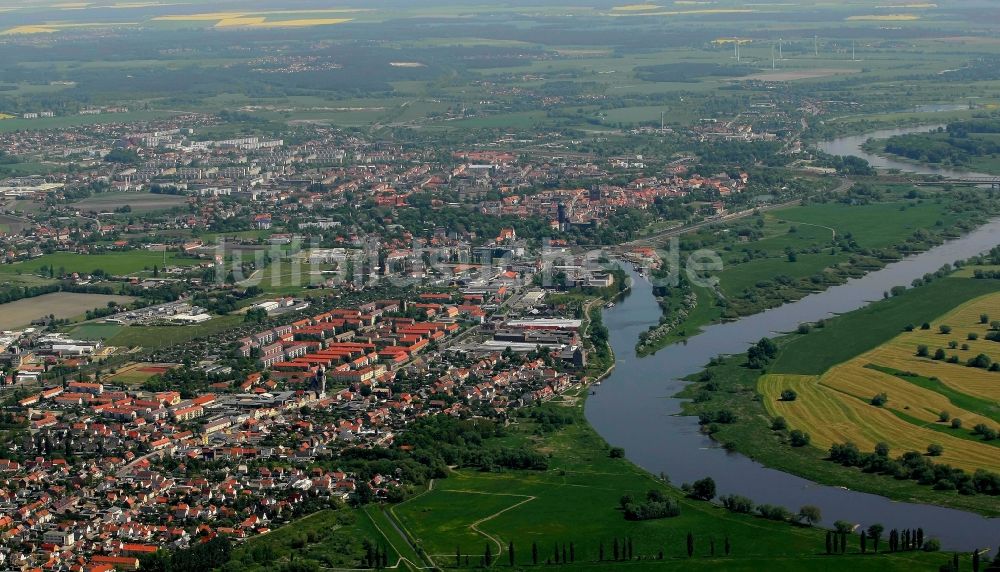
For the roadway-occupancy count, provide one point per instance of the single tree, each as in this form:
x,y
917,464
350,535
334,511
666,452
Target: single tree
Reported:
x,y
810,514
798,438
875,531
703,489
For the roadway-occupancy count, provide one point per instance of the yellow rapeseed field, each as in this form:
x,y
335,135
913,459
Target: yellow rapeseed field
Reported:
x,y
705,11
883,18
300,23
636,7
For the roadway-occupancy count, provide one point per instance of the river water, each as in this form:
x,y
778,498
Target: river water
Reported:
x,y
633,407
852,146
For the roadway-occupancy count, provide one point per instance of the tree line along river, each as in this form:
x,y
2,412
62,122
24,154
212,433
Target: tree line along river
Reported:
x,y
633,407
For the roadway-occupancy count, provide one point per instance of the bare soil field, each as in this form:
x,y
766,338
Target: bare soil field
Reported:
x,y
60,304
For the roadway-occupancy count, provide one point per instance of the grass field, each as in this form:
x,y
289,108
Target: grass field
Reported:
x,y
116,263
138,202
857,332
161,336
60,122
286,277
576,501
334,537
95,331
59,304
873,226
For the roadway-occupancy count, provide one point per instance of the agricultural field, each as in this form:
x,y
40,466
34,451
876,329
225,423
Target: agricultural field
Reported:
x,y
59,304
288,276
836,407
864,330
838,367
446,79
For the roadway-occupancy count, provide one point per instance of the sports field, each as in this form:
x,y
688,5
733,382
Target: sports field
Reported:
x,y
138,373
835,407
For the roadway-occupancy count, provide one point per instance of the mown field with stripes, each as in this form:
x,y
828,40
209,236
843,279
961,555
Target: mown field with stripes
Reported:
x,y
836,406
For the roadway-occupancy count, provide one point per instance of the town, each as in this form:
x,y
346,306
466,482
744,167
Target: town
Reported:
x,y
415,286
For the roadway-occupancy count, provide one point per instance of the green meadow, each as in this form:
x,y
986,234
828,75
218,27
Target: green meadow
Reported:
x,y
577,501
127,262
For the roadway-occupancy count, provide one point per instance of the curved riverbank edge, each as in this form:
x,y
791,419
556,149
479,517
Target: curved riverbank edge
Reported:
x,y
634,408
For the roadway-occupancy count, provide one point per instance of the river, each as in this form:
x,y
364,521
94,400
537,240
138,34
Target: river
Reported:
x,y
633,407
851,145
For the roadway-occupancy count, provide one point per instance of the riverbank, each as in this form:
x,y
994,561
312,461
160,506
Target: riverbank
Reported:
x,y
704,311
576,503
728,385
853,125
976,166
782,256
659,440
854,145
